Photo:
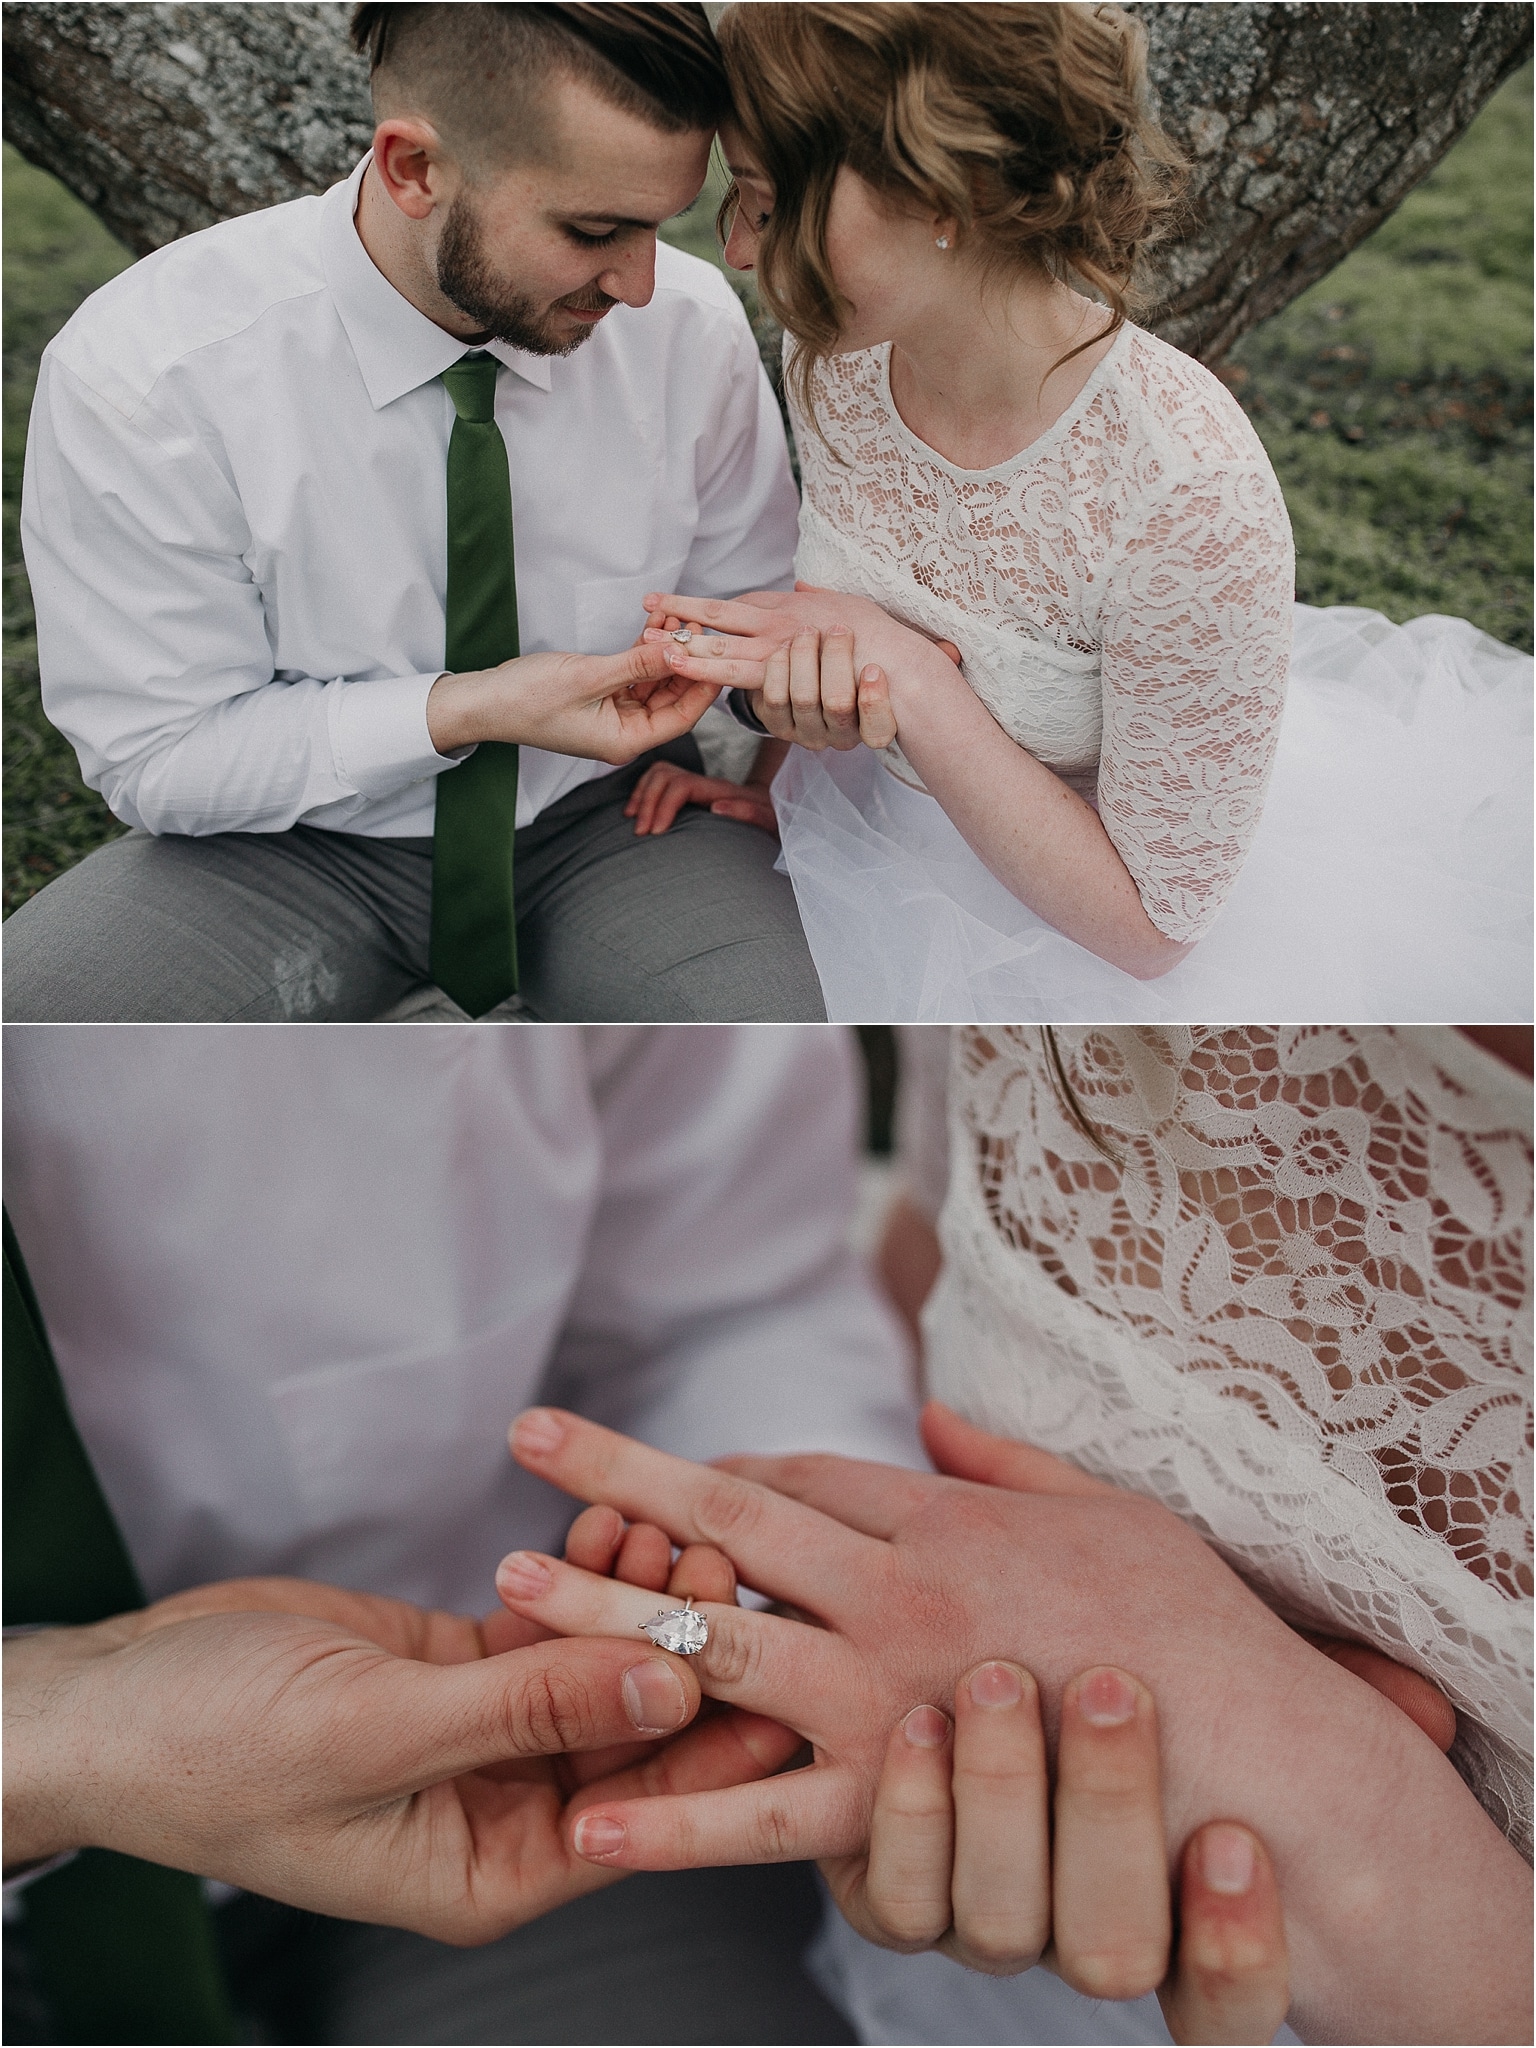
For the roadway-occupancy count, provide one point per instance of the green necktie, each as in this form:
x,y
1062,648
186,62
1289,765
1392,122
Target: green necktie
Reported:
x,y
474,922
123,1950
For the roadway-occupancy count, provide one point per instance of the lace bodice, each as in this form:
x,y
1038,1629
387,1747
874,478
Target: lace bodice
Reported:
x,y
1295,1307
1120,592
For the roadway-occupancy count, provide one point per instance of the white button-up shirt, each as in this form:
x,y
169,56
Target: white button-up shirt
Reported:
x,y
299,1282
235,523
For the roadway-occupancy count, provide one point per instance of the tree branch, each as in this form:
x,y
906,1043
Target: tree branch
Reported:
x,y
1306,125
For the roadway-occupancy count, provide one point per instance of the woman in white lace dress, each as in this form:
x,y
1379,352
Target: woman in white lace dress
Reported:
x,y
1279,1280
1113,820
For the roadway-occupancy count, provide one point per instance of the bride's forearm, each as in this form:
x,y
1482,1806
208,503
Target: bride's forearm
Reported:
x,y
1408,1915
1035,834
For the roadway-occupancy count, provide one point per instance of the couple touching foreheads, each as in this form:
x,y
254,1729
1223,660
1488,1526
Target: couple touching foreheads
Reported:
x,y
389,547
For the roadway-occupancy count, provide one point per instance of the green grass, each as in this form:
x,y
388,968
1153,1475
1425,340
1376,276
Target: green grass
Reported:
x,y
1395,396
1394,399
56,252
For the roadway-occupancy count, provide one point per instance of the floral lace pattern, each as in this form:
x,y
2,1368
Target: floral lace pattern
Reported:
x,y
1120,592
1290,1298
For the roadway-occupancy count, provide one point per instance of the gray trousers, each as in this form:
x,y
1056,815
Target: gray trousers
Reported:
x,y
331,927
688,1956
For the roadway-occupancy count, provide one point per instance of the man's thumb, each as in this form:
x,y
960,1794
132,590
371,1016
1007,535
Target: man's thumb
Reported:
x,y
645,663
568,1694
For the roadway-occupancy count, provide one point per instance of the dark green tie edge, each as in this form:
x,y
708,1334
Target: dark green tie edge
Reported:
x,y
122,1951
474,921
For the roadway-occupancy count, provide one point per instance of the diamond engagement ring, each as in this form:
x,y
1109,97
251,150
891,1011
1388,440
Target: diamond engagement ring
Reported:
x,y
683,635
681,1630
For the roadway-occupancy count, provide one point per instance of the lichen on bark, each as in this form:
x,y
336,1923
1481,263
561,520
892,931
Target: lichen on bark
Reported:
x,y
1304,125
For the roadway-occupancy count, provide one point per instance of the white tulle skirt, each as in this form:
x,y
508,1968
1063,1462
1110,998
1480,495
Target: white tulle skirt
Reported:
x,y
1389,880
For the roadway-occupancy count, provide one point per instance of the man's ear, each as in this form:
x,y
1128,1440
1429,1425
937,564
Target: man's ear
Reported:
x,y
410,160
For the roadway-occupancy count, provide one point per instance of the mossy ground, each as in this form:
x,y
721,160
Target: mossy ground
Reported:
x,y
1394,399
56,252
1395,396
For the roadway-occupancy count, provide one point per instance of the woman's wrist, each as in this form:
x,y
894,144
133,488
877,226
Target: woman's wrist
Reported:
x,y
934,706
1373,1952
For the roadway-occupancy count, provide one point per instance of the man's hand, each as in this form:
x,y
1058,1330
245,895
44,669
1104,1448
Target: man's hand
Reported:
x,y
598,707
916,1576
664,789
364,1758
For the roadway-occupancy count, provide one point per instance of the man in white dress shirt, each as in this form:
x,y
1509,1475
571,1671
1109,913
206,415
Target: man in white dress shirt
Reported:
x,y
237,531
297,1284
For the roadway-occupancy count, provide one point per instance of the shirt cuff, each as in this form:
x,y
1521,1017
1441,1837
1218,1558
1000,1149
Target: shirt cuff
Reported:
x,y
739,705
17,1883
379,734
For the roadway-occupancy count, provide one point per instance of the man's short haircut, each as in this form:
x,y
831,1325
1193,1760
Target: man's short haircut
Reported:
x,y
475,70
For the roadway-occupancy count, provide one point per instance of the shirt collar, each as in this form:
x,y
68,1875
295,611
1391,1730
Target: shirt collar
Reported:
x,y
397,347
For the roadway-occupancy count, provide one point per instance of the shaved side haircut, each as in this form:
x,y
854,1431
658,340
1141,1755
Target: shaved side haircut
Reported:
x,y
476,72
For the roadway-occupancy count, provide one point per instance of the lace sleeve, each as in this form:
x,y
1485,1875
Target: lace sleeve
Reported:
x,y
1196,643
1291,1298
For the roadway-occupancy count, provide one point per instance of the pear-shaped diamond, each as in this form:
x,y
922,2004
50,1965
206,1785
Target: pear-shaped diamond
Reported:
x,y
681,1631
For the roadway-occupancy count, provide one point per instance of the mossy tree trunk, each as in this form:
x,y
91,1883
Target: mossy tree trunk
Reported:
x,y
1305,124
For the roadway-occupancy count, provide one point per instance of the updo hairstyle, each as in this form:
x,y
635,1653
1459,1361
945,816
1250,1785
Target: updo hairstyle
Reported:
x,y
1027,124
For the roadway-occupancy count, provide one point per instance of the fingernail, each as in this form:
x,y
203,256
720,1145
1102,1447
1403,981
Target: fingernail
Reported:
x,y
1227,1859
1107,1700
925,1727
869,675
596,1835
539,1431
523,1576
654,1698
996,1685
846,631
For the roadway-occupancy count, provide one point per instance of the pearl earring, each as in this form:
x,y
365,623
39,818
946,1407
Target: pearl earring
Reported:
x,y
942,242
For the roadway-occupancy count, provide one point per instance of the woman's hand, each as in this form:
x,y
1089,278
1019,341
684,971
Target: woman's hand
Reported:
x,y
810,695
916,1578
962,1857
639,1554
803,690
795,653
965,1452
664,789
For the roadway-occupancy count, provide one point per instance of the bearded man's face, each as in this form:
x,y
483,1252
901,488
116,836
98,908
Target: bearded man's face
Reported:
x,y
537,253
468,277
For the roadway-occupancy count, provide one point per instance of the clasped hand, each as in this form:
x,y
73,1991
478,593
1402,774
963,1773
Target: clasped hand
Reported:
x,y
795,655
916,1579
966,1855
952,1846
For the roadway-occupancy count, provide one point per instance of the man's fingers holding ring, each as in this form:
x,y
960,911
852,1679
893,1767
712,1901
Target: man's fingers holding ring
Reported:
x,y
744,1656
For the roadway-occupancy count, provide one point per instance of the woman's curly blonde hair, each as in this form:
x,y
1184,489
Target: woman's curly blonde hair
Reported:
x,y
1027,124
